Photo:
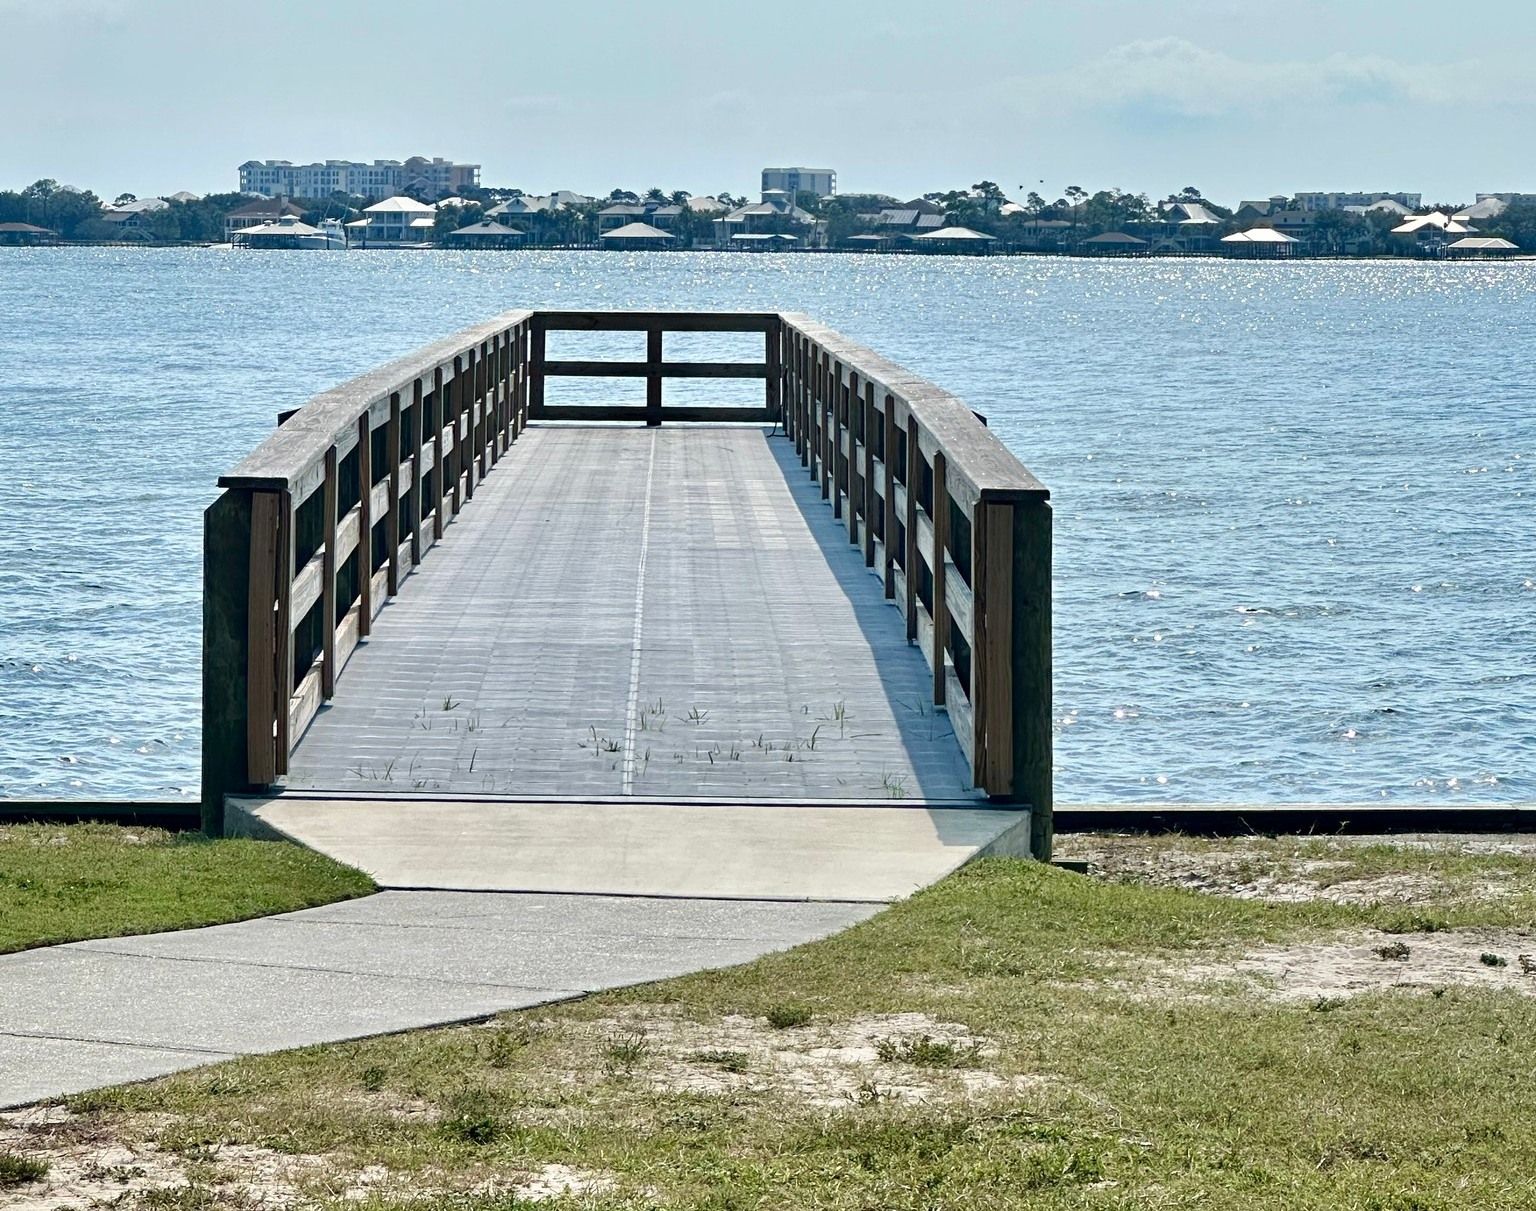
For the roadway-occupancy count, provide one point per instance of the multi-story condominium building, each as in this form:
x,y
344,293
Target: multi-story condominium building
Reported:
x,y
1338,201
795,181
434,178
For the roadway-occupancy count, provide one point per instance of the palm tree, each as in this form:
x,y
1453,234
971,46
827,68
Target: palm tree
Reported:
x,y
1075,196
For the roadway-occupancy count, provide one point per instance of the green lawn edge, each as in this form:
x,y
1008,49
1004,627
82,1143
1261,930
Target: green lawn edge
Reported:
x,y
72,882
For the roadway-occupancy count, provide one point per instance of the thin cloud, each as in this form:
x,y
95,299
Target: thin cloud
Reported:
x,y
1175,78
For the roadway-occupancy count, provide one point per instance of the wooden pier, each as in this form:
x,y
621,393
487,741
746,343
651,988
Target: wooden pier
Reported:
x,y
431,585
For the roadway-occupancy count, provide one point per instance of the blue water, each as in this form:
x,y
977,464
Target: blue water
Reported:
x,y
1295,504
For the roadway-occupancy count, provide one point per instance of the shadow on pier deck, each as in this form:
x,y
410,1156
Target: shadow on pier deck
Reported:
x,y
628,629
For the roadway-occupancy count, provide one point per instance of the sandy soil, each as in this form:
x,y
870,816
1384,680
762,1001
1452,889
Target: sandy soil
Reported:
x,y
1260,869
92,1167
823,1065
1353,964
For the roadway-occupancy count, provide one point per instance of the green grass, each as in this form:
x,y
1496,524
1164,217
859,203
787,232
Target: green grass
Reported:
x,y
18,1170
63,883
1106,1096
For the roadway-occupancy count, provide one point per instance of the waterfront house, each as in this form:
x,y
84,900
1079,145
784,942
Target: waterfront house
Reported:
x,y
258,213
130,216
1487,206
397,222
1182,227
1250,210
619,214
519,207
774,217
1428,234
662,215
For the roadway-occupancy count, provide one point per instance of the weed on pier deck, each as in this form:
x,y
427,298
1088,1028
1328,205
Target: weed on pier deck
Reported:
x,y
1017,1036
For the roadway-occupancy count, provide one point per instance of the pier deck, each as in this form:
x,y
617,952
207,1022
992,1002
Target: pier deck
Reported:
x,y
668,612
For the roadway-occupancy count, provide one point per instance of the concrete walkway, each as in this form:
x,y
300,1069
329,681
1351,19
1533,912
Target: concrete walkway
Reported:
x,y
88,1014
741,850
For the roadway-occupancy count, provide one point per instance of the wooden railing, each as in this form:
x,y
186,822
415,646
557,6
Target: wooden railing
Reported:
x,y
324,521
959,533
654,369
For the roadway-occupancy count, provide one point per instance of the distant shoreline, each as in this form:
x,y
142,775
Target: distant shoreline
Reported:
x,y
908,254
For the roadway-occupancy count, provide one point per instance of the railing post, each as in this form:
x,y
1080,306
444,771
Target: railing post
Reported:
x,y
285,622
772,355
418,439
392,496
938,513
914,477
227,564
869,494
802,400
653,375
992,648
505,384
889,571
536,369
1032,704
328,579
850,396
463,432
485,402
439,463
364,526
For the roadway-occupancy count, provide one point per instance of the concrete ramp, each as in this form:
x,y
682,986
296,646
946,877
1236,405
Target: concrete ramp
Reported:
x,y
852,851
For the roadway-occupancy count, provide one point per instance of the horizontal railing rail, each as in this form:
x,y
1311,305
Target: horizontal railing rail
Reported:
x,y
655,369
959,533
324,522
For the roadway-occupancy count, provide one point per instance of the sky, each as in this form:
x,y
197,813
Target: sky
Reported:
x,y
1238,100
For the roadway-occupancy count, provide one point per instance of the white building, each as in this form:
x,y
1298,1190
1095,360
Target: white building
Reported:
x,y
1338,201
397,222
434,178
795,181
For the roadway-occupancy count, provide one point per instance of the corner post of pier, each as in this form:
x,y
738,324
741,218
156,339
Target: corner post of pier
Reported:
x,y
245,647
226,652
1032,702
773,355
537,343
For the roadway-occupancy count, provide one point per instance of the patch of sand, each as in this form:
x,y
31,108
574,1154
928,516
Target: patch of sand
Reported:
x,y
550,1182
93,1165
1361,962
817,1064
1255,868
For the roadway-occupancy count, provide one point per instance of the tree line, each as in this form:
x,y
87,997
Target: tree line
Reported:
x,y
77,215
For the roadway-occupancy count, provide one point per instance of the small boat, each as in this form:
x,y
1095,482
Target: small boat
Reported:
x,y
289,232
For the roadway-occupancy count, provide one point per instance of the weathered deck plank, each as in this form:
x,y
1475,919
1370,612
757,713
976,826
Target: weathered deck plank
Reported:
x,y
670,612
